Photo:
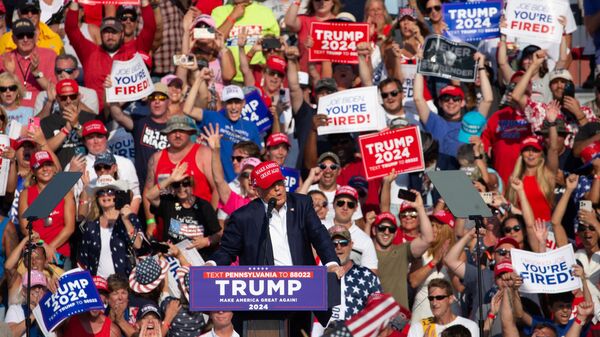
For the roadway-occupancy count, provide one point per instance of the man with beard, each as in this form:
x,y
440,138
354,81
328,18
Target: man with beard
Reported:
x,y
97,60
394,260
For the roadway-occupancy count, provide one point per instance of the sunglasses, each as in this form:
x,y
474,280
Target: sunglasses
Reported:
x,y
157,98
109,192
582,228
450,98
245,175
516,228
101,167
238,158
131,18
24,35
12,88
410,214
72,97
383,228
341,203
437,297
33,11
332,167
343,243
394,93
275,74
503,251
184,183
428,10
69,71
321,204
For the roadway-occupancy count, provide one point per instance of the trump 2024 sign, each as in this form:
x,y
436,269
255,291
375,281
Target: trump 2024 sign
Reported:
x,y
258,288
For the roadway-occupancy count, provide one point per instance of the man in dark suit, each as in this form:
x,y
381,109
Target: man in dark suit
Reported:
x,y
290,229
277,228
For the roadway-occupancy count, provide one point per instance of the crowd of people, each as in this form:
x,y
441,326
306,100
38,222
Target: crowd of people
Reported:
x,y
186,168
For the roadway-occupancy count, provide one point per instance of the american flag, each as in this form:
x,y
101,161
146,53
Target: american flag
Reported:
x,y
375,316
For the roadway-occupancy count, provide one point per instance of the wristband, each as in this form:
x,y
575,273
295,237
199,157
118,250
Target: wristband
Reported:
x,y
230,20
481,68
478,157
577,320
297,3
431,265
64,131
167,325
550,124
492,316
150,221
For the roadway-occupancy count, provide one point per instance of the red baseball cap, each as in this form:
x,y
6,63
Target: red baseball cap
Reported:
x,y
590,152
385,216
531,141
40,158
346,191
94,126
266,174
22,140
276,63
100,283
452,91
503,267
404,206
506,240
277,138
444,217
67,87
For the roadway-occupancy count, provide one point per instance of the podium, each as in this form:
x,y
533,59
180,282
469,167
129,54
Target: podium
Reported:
x,y
267,301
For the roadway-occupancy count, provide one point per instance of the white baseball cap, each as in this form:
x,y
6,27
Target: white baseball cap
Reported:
x,y
232,92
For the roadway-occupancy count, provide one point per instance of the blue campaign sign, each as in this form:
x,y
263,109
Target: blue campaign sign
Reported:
x,y
258,288
292,178
257,112
472,21
76,294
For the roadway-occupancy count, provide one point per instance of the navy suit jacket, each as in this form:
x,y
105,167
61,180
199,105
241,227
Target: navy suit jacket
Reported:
x,y
246,235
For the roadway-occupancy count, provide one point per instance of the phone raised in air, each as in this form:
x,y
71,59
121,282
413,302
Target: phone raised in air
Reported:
x,y
407,195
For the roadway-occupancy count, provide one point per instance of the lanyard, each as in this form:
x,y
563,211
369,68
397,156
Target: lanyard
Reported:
x,y
24,73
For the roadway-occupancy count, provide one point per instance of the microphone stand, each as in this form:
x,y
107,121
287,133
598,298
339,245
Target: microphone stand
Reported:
x,y
28,251
479,225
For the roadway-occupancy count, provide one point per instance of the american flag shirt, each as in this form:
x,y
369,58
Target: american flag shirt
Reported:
x,y
359,283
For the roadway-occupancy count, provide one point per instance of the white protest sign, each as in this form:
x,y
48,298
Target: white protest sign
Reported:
x,y
409,71
4,164
534,20
546,273
130,81
352,110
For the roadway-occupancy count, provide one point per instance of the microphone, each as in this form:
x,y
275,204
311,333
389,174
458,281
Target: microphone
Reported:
x,y
270,207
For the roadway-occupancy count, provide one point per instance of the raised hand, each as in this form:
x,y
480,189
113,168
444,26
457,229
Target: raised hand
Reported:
x,y
212,136
552,111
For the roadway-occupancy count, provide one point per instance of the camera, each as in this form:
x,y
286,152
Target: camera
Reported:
x,y
183,60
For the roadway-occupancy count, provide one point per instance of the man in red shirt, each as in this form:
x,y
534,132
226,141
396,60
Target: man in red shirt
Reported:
x,y
97,60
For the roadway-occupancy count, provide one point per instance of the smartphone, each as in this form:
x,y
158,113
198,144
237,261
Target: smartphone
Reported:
x,y
204,33
158,247
80,150
271,43
202,63
183,60
406,195
33,122
585,205
292,40
122,198
488,197
569,89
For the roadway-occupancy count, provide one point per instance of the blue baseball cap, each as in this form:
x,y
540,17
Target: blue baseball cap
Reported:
x,y
472,125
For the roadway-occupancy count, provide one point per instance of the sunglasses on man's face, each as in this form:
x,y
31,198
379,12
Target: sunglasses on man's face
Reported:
x,y
131,18
343,243
238,158
332,167
383,228
30,10
69,71
25,35
503,251
275,73
409,214
445,99
183,183
437,8
101,167
437,298
12,88
72,97
392,93
582,228
342,203
157,98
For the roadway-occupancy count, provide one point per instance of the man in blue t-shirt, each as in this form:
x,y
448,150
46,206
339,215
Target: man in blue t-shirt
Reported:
x,y
592,25
231,125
